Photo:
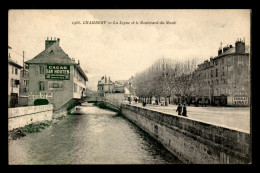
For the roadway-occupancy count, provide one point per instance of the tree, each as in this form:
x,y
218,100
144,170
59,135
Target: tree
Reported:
x,y
168,77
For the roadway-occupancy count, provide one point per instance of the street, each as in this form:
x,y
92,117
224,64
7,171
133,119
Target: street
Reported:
x,y
237,118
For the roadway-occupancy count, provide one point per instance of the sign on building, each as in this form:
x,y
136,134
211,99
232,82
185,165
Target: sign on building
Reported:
x,y
39,95
240,100
60,72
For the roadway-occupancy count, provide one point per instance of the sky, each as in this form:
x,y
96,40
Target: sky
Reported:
x,y
120,51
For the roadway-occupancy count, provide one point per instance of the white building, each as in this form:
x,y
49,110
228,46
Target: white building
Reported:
x,y
13,82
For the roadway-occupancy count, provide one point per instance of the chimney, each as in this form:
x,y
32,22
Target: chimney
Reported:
x,y
78,62
219,51
58,41
48,42
230,46
240,46
105,79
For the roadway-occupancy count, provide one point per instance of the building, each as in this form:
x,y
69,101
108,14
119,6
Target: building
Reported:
x,y
24,83
13,82
119,88
226,77
105,85
54,77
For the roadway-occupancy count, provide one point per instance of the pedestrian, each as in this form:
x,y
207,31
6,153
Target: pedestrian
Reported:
x,y
179,109
144,103
184,111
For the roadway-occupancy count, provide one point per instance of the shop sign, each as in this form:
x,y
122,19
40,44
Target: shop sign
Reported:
x,y
39,95
240,93
240,100
60,72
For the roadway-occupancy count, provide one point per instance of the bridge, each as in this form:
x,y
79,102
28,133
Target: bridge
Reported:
x,y
93,97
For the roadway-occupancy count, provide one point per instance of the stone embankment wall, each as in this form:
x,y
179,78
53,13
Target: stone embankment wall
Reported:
x,y
22,116
114,98
192,141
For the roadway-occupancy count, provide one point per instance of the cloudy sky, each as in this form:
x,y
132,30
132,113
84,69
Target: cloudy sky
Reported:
x,y
120,51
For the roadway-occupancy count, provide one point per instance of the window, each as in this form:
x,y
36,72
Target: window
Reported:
x,y
211,73
223,91
12,70
216,91
208,82
222,61
223,72
41,85
216,62
55,85
16,71
217,82
41,69
12,82
216,72
229,80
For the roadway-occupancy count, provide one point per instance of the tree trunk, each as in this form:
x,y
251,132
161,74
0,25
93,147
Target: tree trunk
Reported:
x,y
166,101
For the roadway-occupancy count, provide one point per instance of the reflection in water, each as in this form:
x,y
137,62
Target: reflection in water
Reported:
x,y
98,137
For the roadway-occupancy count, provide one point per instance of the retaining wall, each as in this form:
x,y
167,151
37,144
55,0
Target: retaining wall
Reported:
x,y
192,141
114,98
21,116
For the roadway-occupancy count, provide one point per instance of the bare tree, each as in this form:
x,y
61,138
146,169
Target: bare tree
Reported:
x,y
168,77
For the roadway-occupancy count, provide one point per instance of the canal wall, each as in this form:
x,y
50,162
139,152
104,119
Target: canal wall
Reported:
x,y
190,140
114,98
22,116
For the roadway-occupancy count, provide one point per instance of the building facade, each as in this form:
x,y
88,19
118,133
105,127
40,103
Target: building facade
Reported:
x,y
54,77
106,85
24,84
13,82
226,77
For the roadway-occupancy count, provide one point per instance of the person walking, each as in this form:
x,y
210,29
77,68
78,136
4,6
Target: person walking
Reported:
x,y
179,109
184,111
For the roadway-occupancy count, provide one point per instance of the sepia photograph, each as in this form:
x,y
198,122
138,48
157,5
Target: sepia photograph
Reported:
x,y
129,86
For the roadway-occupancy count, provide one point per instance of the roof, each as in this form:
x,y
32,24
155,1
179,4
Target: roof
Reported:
x,y
81,72
52,55
12,62
102,83
233,51
55,55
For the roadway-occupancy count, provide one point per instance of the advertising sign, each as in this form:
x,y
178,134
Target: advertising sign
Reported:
x,y
40,95
60,72
241,100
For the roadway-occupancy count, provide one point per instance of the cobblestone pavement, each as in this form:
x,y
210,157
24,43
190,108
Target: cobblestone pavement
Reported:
x,y
237,118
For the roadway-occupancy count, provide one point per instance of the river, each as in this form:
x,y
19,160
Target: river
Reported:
x,y
99,136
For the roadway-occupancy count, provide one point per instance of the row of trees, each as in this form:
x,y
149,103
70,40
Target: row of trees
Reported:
x,y
168,77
